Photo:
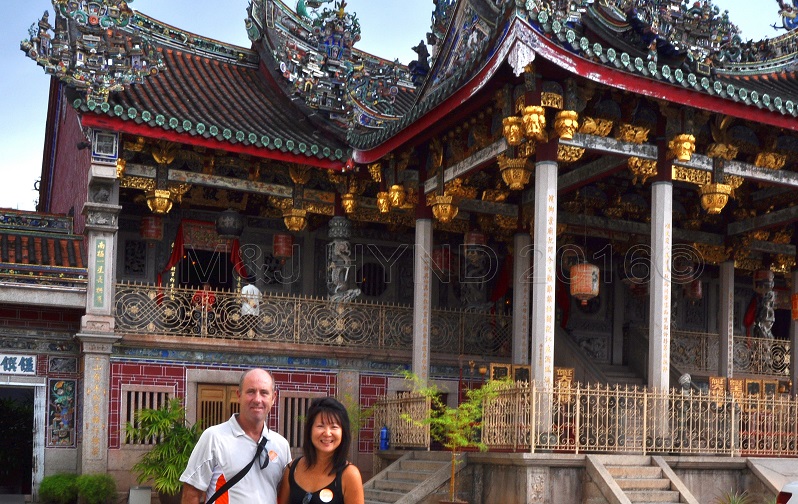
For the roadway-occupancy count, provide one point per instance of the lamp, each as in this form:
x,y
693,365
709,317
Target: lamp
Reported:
x,y
396,195
584,282
295,219
229,224
714,197
383,202
349,202
159,201
515,171
443,208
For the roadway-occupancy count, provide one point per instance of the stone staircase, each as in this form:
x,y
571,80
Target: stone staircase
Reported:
x,y
410,479
633,479
621,375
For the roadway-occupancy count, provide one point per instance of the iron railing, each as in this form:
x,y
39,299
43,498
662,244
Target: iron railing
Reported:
x,y
612,419
152,310
698,352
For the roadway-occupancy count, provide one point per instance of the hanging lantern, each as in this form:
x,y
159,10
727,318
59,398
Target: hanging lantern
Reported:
x,y
396,195
584,282
794,300
349,202
151,228
442,259
714,197
443,208
694,290
763,281
283,245
475,238
383,202
229,224
295,219
159,201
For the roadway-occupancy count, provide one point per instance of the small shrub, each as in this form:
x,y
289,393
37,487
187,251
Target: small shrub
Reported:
x,y
58,489
734,497
96,488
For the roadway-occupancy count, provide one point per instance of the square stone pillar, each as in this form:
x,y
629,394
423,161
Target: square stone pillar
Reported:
x,y
726,320
522,286
422,299
659,329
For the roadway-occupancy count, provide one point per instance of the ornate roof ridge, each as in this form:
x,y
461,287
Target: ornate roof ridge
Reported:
x,y
167,35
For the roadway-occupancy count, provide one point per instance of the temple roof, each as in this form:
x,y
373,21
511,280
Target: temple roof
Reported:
x,y
39,244
305,94
212,91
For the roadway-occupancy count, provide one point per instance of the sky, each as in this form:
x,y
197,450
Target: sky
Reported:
x,y
389,29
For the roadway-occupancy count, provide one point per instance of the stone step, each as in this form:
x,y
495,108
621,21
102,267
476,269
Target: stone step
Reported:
x,y
643,484
395,485
382,496
653,496
634,471
429,466
416,476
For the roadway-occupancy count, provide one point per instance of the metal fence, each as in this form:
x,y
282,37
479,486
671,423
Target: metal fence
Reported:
x,y
699,352
151,310
612,419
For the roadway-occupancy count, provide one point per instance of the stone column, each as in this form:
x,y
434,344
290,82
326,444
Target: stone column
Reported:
x,y
96,334
422,298
521,297
726,320
659,329
544,280
619,294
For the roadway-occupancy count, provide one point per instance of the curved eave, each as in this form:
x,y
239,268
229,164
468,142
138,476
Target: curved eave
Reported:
x,y
732,102
93,120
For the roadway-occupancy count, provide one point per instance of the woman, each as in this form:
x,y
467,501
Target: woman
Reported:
x,y
323,475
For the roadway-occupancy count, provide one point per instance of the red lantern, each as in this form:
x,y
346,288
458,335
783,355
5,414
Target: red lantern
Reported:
x,y
442,259
475,238
283,245
694,290
584,282
151,228
794,299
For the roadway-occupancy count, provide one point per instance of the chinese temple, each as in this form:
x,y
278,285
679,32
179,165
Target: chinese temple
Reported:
x,y
593,198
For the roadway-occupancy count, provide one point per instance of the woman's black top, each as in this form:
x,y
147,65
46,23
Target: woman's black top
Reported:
x,y
330,494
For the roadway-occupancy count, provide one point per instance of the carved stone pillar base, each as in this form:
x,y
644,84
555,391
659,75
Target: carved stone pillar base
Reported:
x,y
96,364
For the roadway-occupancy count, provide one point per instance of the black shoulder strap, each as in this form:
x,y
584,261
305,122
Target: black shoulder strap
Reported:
x,y
240,474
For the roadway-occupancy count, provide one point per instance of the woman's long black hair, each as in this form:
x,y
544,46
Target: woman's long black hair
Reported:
x,y
334,410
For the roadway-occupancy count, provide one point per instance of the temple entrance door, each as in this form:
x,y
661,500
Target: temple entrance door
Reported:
x,y
200,266
16,442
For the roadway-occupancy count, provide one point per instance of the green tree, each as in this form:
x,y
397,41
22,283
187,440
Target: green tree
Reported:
x,y
455,428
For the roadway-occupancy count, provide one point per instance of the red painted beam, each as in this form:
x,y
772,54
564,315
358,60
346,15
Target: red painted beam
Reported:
x,y
116,124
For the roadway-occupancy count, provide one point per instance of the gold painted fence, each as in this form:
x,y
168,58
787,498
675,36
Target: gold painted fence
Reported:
x,y
611,419
151,310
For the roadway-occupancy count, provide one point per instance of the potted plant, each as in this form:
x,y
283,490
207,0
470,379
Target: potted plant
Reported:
x,y
455,428
174,440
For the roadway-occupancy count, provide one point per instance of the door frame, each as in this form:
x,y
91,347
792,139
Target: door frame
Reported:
x,y
39,385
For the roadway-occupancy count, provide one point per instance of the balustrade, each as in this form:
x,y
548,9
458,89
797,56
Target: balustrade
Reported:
x,y
612,419
152,310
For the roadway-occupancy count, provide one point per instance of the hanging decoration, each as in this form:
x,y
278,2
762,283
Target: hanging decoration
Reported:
x,y
229,224
584,282
794,299
151,228
283,246
92,47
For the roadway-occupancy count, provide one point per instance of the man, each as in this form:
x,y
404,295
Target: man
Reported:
x,y
225,449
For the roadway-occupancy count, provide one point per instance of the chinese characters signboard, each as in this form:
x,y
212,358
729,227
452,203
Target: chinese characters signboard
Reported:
x,y
99,274
18,364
